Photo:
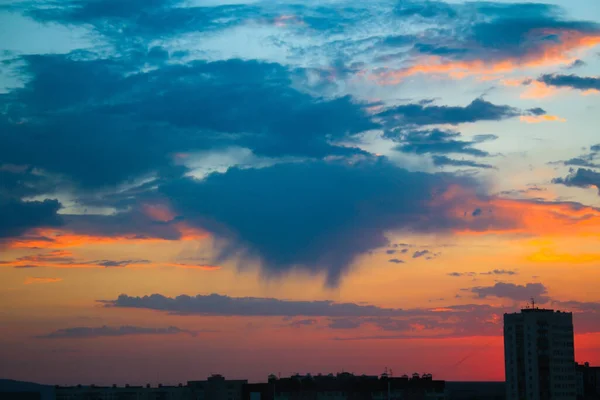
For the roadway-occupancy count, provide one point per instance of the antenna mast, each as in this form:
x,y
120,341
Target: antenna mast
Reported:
x,y
533,303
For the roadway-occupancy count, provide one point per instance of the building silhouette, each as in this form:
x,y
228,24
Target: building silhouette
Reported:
x,y
346,386
539,355
588,382
216,387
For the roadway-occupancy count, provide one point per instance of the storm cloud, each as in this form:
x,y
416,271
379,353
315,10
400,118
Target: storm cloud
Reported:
x,y
294,216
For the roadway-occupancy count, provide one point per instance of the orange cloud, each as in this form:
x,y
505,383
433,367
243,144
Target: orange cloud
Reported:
x,y
55,239
536,119
512,216
34,280
590,92
538,90
44,238
158,212
550,54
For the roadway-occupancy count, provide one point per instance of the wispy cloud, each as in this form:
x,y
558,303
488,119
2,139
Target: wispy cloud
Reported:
x,y
109,331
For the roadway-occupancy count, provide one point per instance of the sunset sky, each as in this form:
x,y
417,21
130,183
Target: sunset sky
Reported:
x,y
249,187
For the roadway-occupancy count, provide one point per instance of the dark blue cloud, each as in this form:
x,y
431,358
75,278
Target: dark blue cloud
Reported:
x,y
582,178
425,9
577,64
101,122
520,30
130,23
572,81
420,114
440,142
434,141
17,216
587,160
310,214
442,161
488,31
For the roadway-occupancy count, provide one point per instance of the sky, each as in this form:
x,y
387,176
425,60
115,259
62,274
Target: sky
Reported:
x,y
254,187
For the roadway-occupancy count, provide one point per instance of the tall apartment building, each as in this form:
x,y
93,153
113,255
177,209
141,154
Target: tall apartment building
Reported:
x,y
539,355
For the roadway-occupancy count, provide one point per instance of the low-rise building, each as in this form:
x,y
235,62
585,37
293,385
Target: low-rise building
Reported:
x,y
347,386
127,392
216,387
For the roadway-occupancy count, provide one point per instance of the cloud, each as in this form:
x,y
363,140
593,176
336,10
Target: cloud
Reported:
x,y
513,291
582,178
450,321
460,274
109,331
429,255
396,261
17,216
324,231
65,259
493,272
136,20
536,119
244,103
439,142
121,263
36,279
577,63
420,253
572,81
441,161
216,304
433,141
500,272
422,114
489,39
